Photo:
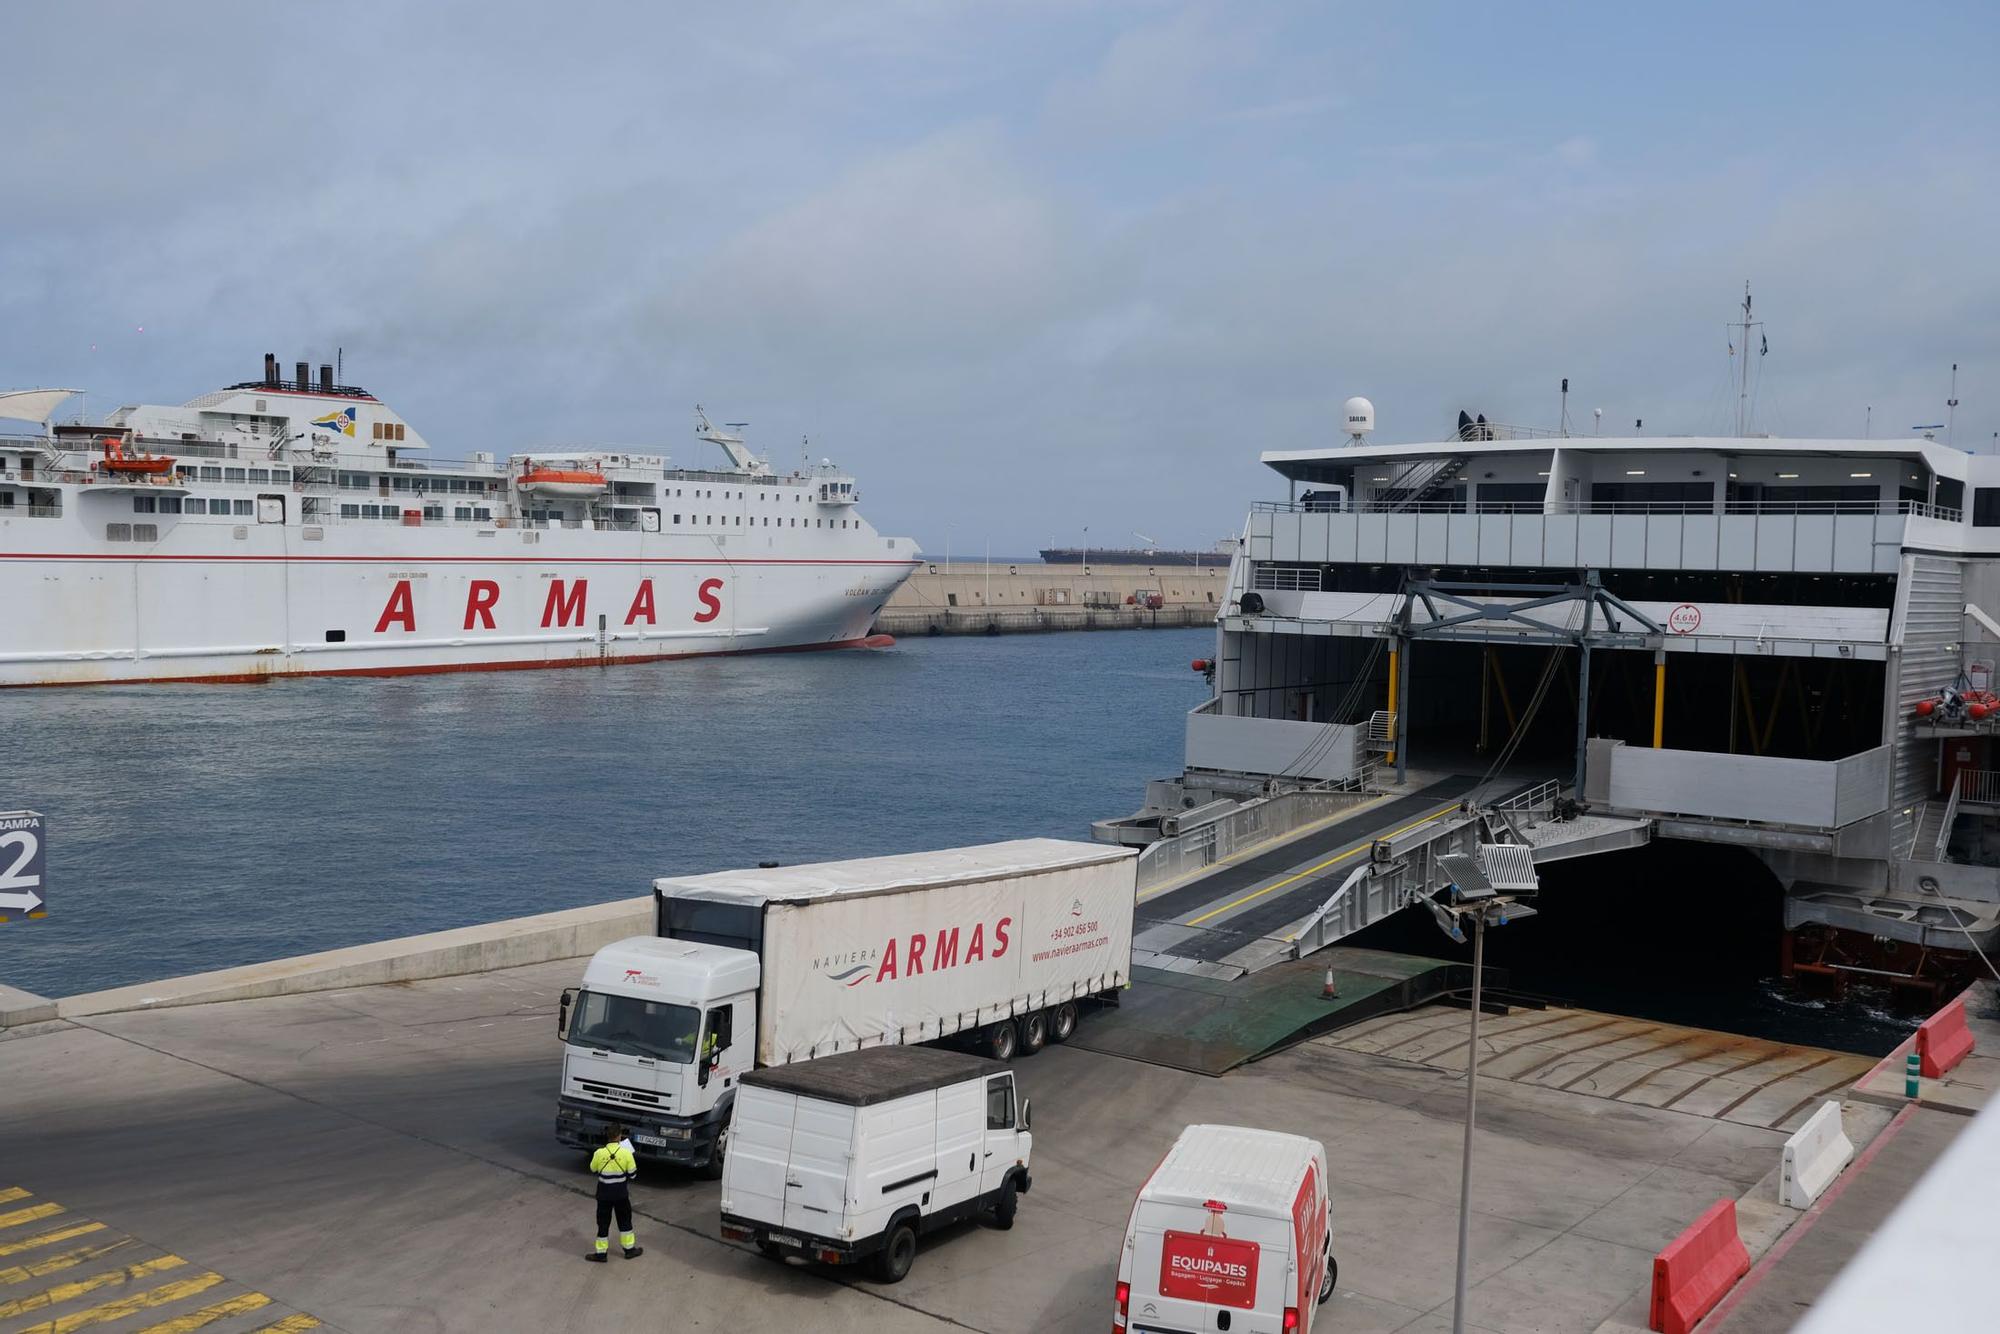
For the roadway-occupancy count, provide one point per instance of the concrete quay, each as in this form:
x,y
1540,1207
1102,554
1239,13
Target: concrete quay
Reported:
x,y
978,597
381,1158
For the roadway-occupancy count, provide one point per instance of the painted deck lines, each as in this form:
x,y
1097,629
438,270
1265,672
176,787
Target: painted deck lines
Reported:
x,y
67,1273
1726,1076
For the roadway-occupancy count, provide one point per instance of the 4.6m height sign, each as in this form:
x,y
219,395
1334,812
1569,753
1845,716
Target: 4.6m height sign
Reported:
x,y
23,865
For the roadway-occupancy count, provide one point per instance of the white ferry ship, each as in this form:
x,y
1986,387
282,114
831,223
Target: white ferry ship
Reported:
x,y
287,527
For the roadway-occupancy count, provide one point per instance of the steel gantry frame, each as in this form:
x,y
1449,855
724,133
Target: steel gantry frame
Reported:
x,y
1468,605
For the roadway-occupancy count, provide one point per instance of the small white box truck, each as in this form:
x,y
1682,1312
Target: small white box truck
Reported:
x,y
991,947
853,1157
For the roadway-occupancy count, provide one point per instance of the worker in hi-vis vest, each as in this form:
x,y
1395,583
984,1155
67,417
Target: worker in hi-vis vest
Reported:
x,y
615,1165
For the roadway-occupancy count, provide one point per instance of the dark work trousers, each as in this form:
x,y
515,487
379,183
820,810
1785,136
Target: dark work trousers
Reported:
x,y
612,1199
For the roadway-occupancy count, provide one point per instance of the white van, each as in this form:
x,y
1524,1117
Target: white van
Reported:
x,y
852,1157
1230,1233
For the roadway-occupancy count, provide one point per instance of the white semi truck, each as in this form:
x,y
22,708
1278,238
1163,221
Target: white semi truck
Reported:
x,y
990,947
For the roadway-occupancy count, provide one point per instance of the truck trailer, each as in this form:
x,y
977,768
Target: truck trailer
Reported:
x,y
993,948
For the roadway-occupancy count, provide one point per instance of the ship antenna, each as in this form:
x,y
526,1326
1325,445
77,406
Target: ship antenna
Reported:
x,y
1951,404
339,366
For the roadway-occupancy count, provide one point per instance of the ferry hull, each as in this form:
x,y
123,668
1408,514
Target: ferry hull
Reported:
x,y
184,610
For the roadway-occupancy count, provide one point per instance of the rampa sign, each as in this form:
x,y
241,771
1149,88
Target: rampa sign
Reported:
x,y
23,865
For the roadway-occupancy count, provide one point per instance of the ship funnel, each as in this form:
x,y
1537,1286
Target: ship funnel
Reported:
x,y
305,377
326,377
270,368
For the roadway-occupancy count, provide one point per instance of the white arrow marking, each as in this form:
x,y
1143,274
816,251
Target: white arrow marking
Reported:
x,y
26,901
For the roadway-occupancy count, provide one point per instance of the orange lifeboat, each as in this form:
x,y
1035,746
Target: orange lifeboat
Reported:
x,y
562,481
117,460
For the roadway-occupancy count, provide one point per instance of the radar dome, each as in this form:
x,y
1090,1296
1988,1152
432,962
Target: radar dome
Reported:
x,y
1360,415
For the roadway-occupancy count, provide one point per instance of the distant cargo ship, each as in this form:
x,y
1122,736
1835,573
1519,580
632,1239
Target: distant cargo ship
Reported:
x,y
1218,556
287,527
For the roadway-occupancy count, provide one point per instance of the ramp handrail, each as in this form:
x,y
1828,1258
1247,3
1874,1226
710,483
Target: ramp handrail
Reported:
x,y
1950,818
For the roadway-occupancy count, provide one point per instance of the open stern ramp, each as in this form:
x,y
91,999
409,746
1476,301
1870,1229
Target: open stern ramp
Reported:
x,y
1209,1025
1238,916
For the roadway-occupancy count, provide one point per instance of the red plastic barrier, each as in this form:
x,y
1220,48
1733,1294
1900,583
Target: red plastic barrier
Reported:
x,y
1943,1040
1696,1268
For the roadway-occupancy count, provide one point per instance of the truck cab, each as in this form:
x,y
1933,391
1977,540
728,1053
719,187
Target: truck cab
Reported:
x,y
655,1040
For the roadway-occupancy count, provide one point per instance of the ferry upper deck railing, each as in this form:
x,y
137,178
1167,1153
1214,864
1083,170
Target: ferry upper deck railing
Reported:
x,y
1980,786
1913,508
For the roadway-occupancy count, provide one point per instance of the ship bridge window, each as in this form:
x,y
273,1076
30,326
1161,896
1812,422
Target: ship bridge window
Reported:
x,y
170,504
1986,507
1510,497
194,505
235,474
209,474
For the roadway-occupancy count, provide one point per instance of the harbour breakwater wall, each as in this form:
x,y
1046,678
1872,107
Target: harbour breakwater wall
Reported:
x,y
976,598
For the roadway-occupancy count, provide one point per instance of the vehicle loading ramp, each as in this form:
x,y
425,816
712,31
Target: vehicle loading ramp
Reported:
x,y
1237,904
1209,1026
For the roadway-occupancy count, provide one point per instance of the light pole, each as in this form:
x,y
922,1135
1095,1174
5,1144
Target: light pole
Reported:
x,y
1086,548
1476,885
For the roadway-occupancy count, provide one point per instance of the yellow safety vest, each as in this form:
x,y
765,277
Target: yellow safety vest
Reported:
x,y
614,1164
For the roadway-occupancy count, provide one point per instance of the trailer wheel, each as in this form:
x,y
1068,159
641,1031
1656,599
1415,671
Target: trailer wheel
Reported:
x,y
1062,1022
898,1253
1034,1032
1003,1039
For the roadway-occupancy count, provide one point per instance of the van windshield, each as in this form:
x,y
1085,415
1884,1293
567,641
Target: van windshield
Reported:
x,y
634,1027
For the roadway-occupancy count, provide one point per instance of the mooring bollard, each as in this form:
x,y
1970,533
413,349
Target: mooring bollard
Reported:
x,y
1913,1070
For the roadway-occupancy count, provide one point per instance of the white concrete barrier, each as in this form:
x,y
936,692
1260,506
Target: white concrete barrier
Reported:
x,y
1813,1157
570,934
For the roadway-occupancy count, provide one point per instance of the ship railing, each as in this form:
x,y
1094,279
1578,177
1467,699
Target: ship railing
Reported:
x,y
1912,508
1980,786
31,511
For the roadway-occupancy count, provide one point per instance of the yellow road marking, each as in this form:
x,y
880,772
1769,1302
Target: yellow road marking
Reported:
x,y
291,1324
124,1306
13,1193
208,1315
57,1263
62,1292
29,1214
1260,847
1330,861
50,1238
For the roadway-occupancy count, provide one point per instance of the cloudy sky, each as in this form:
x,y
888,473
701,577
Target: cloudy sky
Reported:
x,y
1025,267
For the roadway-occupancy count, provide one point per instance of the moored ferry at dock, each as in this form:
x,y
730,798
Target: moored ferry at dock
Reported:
x,y
293,526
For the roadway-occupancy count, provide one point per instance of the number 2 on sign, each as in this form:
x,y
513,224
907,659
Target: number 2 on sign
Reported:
x,y
11,878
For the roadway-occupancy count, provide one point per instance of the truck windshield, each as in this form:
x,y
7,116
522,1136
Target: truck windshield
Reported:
x,y
636,1027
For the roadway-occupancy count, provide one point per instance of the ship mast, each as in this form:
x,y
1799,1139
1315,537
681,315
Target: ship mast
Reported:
x,y
1744,326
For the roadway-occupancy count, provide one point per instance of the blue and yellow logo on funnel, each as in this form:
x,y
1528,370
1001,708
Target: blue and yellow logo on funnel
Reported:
x,y
341,421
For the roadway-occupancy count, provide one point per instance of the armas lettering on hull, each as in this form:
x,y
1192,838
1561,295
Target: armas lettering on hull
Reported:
x,y
566,604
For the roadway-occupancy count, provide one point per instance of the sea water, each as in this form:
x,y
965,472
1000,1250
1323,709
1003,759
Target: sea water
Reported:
x,y
197,827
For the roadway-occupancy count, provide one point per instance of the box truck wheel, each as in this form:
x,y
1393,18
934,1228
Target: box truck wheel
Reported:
x,y
1034,1032
898,1253
1003,1039
1062,1021
712,1169
1005,1205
